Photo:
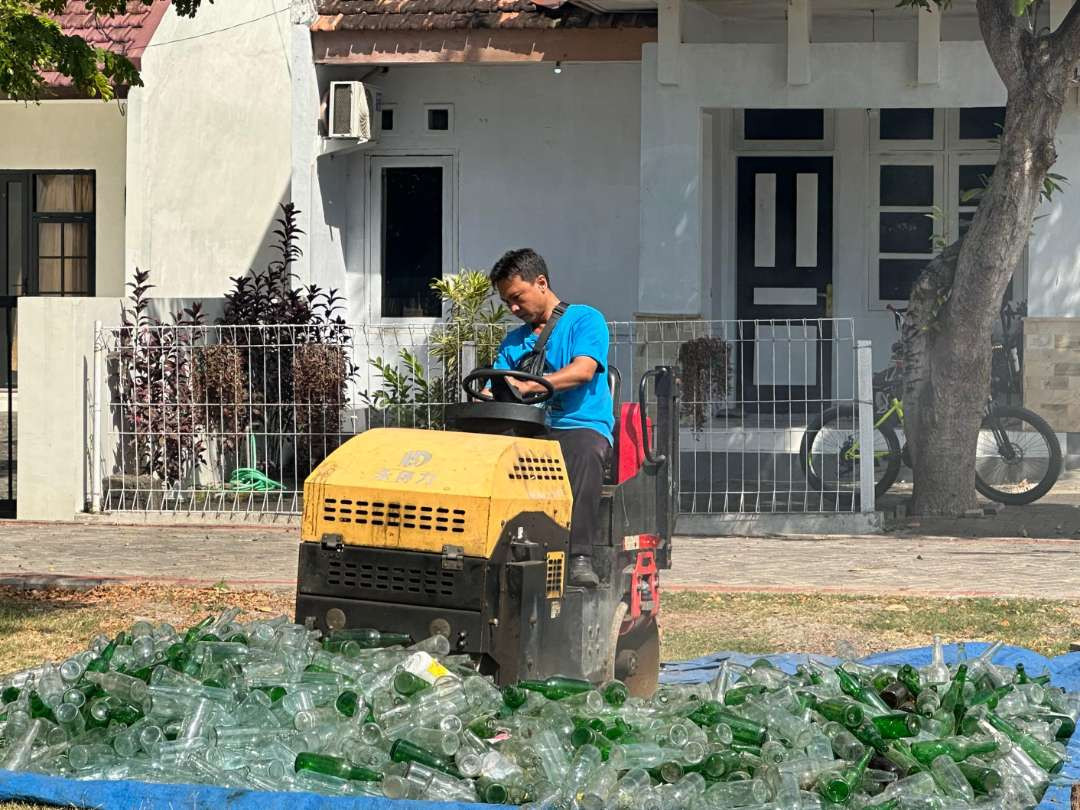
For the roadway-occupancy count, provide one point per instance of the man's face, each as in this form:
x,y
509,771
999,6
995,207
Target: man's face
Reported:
x,y
527,300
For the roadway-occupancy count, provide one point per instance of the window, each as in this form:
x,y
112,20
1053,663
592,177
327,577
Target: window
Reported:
x,y
784,128
47,235
980,123
925,187
784,125
907,198
439,118
410,225
387,119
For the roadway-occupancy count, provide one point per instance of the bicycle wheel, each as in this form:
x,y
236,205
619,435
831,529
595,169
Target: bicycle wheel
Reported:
x,y
1023,470
830,452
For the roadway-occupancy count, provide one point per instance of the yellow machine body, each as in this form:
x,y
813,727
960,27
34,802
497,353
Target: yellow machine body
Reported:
x,y
423,490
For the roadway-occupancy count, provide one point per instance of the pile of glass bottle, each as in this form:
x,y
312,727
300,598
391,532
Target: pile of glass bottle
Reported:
x,y
272,705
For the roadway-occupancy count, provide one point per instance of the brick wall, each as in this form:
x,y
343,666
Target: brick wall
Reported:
x,y
1052,370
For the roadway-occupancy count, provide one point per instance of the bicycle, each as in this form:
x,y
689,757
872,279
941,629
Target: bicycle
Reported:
x,y
1017,460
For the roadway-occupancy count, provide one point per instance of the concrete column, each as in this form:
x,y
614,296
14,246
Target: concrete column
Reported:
x,y
671,264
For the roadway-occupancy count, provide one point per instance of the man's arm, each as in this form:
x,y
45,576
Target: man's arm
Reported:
x,y
589,345
579,371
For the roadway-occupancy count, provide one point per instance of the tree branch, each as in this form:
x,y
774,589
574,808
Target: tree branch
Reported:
x,y
1065,41
1002,33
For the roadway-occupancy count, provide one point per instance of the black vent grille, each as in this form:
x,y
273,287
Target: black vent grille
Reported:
x,y
538,468
400,515
390,578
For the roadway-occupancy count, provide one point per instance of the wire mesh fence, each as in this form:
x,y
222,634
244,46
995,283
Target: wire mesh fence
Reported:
x,y
218,419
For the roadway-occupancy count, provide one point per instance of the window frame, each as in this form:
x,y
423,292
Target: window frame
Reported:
x,y
824,144
937,143
967,144
373,231
30,231
875,209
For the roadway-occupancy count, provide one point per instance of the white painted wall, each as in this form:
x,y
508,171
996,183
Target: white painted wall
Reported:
x,y
1054,253
209,145
848,76
56,360
541,160
76,135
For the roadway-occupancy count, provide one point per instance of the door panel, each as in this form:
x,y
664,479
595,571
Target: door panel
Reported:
x,y
784,277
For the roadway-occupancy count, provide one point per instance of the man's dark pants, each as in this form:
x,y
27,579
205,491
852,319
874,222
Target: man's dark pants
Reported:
x,y
586,453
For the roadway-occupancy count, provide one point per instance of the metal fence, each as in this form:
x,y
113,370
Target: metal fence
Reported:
x,y
216,419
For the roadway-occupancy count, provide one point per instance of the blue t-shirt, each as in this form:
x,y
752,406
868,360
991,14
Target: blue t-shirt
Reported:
x,y
580,332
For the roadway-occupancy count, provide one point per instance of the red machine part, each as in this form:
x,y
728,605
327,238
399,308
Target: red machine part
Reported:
x,y
631,449
644,581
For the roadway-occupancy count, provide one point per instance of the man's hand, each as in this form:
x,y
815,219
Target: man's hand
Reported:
x,y
525,386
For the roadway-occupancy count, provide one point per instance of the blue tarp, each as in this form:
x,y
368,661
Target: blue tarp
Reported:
x,y
120,795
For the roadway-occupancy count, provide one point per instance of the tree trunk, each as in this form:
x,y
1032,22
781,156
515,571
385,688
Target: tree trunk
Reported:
x,y
955,301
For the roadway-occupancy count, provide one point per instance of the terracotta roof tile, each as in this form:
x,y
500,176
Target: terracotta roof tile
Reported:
x,y
128,34
445,15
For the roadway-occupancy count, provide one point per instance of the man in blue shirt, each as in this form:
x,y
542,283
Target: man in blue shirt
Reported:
x,y
580,414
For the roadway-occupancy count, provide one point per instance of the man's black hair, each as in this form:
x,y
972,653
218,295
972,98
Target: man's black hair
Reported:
x,y
523,262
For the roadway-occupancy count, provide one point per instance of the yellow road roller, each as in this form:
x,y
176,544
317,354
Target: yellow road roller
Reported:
x,y
464,532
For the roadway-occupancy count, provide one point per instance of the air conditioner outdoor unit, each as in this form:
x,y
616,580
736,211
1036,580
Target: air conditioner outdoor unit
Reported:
x,y
355,111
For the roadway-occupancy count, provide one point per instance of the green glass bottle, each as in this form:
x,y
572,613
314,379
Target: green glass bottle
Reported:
x,y
989,696
614,693
484,727
369,638
717,765
9,694
867,733
953,699
584,735
405,751
347,703
557,687
742,692
956,748
896,725
334,766
101,663
899,754
851,686
1045,757
194,632
842,710
514,697
406,684
1067,723
1021,674
909,677
744,730
837,786
617,729
237,638
982,779
39,709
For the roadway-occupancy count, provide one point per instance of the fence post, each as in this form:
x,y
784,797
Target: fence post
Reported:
x,y
865,397
95,426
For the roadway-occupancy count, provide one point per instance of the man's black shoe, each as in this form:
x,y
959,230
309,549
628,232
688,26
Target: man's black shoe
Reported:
x,y
582,573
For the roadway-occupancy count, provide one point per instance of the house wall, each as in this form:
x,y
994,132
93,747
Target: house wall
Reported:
x,y
76,135
209,146
542,160
55,431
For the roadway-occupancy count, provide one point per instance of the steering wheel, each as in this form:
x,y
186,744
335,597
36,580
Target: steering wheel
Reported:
x,y
501,390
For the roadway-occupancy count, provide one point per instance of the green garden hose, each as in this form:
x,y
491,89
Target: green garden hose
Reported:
x,y
250,479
